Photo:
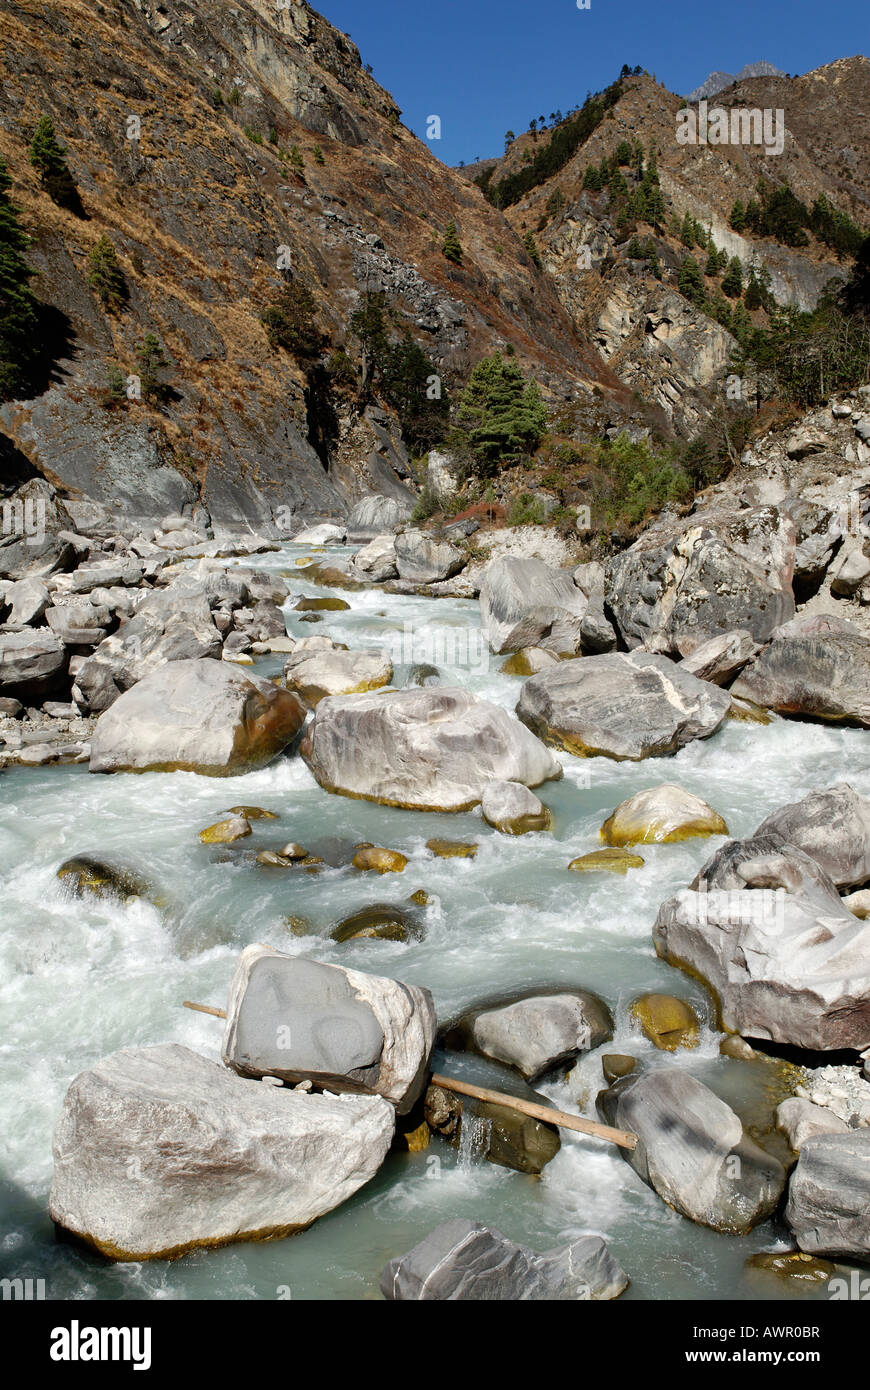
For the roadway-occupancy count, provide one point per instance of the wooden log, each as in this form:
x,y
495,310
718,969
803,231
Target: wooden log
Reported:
x,y
623,1137
204,1008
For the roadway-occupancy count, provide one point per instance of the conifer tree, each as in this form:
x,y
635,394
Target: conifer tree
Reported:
x,y
19,307
732,282
47,157
452,247
690,282
737,220
532,249
501,414
106,275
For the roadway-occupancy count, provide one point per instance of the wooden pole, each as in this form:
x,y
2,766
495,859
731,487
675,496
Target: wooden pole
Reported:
x,y
623,1137
204,1008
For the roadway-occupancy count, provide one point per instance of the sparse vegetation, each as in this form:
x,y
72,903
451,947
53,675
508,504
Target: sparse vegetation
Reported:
x,y
19,307
47,157
106,276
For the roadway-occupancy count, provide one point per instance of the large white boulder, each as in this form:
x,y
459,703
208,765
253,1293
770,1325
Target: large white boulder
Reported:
x,y
525,603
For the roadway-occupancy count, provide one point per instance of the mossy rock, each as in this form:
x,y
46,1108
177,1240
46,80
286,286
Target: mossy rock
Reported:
x,y
299,926
502,1135
420,898
793,1266
613,861
617,1064
668,1022
382,921
252,813
321,605
738,1049
747,712
226,832
86,876
661,815
451,849
329,577
382,861
529,661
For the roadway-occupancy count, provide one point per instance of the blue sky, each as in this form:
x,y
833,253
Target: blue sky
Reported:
x,y
487,66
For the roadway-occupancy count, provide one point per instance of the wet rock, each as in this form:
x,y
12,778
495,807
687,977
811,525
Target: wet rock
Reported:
x,y
377,560
345,1031
684,582
525,603
87,876
382,921
737,1049
226,832
624,706
815,666
196,716
528,661
321,605
693,1151
613,861
316,674
831,826
32,664
497,1133
325,534
535,1032
791,1267
159,1151
512,809
451,849
721,658
252,813
829,1195
383,861
661,815
422,560
765,927
668,1022
464,1260
429,749
617,1064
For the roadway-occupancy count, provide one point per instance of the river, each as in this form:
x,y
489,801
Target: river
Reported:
x,y
82,978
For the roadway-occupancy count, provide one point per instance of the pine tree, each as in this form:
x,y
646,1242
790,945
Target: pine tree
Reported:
x,y
19,307
106,275
690,282
623,153
712,266
732,283
47,157
152,362
452,247
291,324
317,155
634,250
752,297
592,178
116,389
737,220
532,251
617,185
501,414
687,232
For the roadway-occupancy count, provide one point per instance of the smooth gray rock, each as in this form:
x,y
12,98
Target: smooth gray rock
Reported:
x,y
831,826
434,748
464,1260
420,559
32,663
32,521
377,560
158,1151
765,927
326,533
682,583
315,674
800,1120
346,1031
196,716
538,1033
169,626
511,808
525,603
816,666
376,515
121,569
79,625
721,658
623,705
27,600
829,1195
693,1150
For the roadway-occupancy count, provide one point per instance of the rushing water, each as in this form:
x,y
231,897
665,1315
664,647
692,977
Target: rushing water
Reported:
x,y
83,978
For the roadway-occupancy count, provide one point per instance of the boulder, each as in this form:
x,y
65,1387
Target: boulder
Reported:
x,y
435,748
764,926
89,876
528,661
498,1133
159,1151
121,569
345,1031
382,861
851,570
382,921
465,1260
623,705
693,1151
661,815
525,603
376,516
318,673
511,808
32,664
818,534
27,601
377,560
196,716
171,625
327,533
226,832
800,1120
814,666
829,1195
79,625
420,559
721,658
668,1022
32,522
831,826
535,1032
613,861
683,582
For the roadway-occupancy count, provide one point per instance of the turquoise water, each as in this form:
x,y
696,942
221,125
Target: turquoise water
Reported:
x,y
81,979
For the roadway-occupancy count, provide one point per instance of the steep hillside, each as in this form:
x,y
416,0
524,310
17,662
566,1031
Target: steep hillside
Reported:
x,y
257,134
